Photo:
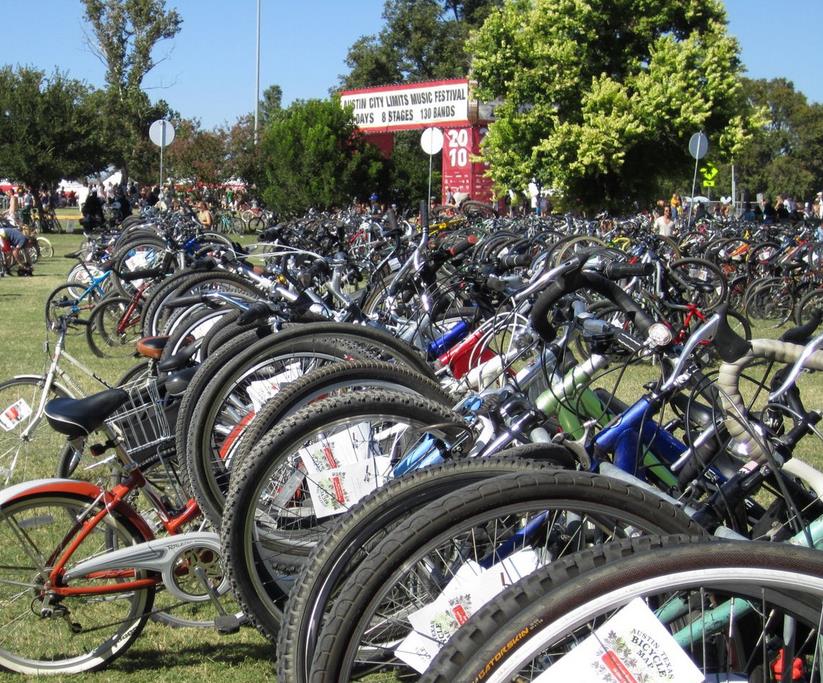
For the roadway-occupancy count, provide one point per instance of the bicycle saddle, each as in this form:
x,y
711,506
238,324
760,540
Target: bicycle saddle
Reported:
x,y
151,347
80,416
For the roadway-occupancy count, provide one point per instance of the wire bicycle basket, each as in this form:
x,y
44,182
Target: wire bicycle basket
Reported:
x,y
141,424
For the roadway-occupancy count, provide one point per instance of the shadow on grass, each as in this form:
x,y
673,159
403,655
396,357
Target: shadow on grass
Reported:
x,y
233,654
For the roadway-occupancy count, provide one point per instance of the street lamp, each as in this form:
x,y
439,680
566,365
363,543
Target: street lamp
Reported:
x,y
257,79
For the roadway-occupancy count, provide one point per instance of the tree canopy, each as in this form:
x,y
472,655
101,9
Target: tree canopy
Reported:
x,y
421,40
314,157
125,35
783,156
49,128
600,97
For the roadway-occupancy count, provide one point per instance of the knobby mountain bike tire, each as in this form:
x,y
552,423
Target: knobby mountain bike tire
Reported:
x,y
230,401
736,602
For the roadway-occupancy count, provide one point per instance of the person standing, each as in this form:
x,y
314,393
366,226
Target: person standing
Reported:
x,y
664,224
14,206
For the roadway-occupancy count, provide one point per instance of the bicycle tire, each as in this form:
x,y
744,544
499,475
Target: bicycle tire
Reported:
x,y
60,649
598,506
300,519
36,456
120,259
46,248
205,372
255,224
771,579
61,301
154,313
808,304
703,282
102,335
226,405
347,545
771,301
329,381
566,247
193,330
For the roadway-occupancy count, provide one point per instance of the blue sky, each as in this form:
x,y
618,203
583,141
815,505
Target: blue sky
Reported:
x,y
208,70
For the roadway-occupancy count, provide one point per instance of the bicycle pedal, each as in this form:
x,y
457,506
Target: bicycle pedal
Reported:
x,y
227,624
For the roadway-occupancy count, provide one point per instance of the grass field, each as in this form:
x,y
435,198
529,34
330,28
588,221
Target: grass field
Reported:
x,y
161,653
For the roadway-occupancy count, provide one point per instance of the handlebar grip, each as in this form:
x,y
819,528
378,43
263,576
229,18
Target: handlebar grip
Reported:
x,y
145,274
259,309
621,271
461,246
571,282
515,260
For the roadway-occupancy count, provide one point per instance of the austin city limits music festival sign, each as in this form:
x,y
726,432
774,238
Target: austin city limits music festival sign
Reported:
x,y
419,105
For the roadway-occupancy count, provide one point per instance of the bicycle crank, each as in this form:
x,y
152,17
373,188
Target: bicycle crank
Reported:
x,y
182,560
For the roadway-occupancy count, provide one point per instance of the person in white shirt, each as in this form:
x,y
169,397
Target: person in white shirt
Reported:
x,y
664,225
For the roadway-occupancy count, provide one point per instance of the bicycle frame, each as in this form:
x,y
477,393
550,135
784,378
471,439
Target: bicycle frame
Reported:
x,y
54,371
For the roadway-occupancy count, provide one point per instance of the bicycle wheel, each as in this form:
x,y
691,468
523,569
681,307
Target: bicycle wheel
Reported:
x,y
113,329
230,401
331,380
62,302
255,224
73,633
733,608
568,247
809,303
46,248
81,276
349,543
29,448
314,466
699,282
771,302
494,531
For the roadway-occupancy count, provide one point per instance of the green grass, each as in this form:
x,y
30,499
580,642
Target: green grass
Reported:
x,y
161,653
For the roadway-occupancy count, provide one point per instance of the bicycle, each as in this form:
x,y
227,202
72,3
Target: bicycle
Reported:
x,y
26,449
80,565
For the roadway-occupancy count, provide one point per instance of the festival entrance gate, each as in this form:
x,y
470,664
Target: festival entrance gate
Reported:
x,y
381,111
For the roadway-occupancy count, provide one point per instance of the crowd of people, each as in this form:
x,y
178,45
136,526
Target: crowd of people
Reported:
x,y
669,214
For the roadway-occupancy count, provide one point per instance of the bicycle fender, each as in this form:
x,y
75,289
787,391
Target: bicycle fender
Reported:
x,y
73,487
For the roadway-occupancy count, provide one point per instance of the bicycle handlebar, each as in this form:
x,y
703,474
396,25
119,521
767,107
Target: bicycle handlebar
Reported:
x,y
573,280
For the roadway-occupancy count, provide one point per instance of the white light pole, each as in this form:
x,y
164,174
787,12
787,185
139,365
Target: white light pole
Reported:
x,y
257,79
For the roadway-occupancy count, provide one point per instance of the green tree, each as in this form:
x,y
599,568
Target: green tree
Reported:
x,y
49,128
196,153
601,96
314,158
271,103
244,159
125,34
421,40
783,156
